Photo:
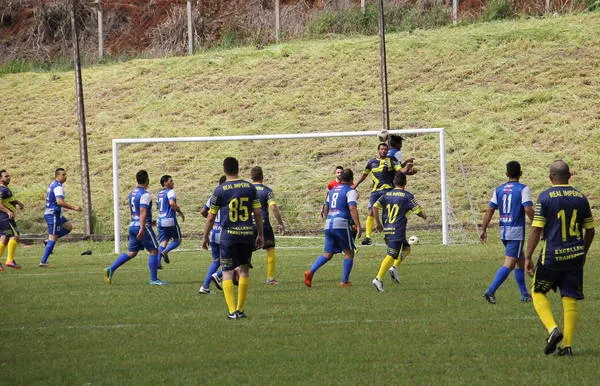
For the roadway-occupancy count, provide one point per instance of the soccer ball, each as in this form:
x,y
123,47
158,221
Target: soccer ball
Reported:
x,y
382,136
413,240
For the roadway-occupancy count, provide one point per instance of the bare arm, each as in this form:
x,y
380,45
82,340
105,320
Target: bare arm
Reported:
x,y
362,178
143,216
204,212
534,239
487,217
6,210
378,224
275,210
354,214
588,236
63,203
260,240
529,212
176,208
210,220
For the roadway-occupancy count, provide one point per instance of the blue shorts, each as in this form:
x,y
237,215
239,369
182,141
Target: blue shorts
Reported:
x,y
215,234
148,243
338,240
55,223
395,247
513,248
8,228
375,196
569,282
168,233
233,254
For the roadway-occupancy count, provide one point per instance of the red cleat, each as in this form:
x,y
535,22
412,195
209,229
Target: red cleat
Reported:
x,y
346,284
13,264
308,278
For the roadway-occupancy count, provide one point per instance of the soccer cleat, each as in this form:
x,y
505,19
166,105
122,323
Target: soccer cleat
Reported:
x,y
159,266
552,341
345,284
240,315
490,298
165,257
394,274
271,282
205,291
108,273
44,265
367,241
525,298
565,352
157,282
378,284
233,315
12,264
308,278
217,281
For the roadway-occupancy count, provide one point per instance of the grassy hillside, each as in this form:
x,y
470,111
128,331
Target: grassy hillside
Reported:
x,y
525,90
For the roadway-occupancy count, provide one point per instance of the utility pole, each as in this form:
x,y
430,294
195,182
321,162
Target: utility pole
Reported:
x,y
277,21
83,153
190,28
383,68
100,30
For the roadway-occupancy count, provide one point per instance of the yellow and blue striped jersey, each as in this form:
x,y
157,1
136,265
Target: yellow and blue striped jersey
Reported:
x,y
382,170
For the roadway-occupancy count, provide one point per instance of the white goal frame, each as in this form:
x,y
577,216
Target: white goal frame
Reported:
x,y
125,141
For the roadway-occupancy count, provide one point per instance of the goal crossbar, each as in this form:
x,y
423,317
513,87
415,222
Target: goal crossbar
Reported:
x,y
125,141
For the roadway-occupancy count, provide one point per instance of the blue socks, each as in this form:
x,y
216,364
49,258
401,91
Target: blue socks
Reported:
x,y
212,269
501,275
153,261
520,278
49,247
122,259
347,268
318,263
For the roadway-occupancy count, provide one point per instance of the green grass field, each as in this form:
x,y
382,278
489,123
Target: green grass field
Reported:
x,y
65,326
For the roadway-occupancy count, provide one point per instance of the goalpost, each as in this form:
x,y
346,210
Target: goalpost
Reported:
x,y
440,132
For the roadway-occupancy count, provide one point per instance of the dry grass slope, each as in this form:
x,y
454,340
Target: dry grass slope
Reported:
x,y
525,90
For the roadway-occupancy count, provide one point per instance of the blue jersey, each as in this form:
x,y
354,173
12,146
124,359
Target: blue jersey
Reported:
x,y
140,198
167,217
215,232
266,198
383,171
396,154
395,205
236,201
54,191
339,201
510,199
563,213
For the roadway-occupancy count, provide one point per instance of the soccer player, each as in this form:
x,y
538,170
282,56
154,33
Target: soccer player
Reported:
x,y
341,209
236,199
331,184
168,228
563,220
9,232
267,204
513,201
395,205
58,225
215,241
382,168
141,234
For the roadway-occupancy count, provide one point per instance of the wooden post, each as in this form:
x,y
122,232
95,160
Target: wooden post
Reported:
x,y
190,28
383,67
548,5
277,20
363,5
454,11
100,30
83,153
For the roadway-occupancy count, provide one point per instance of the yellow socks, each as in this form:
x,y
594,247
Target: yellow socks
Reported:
x,y
385,265
571,318
270,263
2,246
11,247
242,292
403,255
369,226
544,310
229,295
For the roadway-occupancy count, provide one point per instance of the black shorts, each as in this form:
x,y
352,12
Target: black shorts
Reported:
x,y
569,282
8,227
268,236
396,247
234,254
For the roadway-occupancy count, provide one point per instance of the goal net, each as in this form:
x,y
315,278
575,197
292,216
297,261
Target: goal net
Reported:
x,y
297,167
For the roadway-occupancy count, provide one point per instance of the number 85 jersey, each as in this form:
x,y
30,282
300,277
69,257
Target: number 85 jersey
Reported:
x,y
235,200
